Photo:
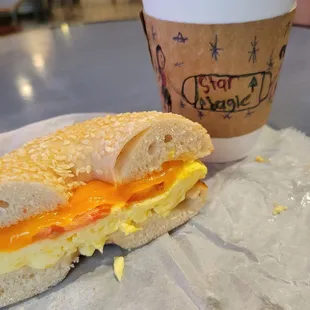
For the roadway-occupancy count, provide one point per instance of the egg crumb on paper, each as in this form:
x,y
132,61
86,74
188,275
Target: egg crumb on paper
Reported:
x,y
260,159
278,209
119,264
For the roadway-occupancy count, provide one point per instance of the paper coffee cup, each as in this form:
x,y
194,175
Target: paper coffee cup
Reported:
x,y
216,12
218,62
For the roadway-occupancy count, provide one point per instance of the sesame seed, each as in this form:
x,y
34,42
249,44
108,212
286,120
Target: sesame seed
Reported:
x,y
24,176
82,156
88,169
89,149
21,152
108,149
108,143
82,170
63,166
59,187
85,142
60,157
34,157
67,142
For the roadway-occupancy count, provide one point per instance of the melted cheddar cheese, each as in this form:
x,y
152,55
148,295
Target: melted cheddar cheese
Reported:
x,y
89,203
95,211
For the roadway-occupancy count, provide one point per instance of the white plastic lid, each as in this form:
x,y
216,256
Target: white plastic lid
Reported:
x,y
217,11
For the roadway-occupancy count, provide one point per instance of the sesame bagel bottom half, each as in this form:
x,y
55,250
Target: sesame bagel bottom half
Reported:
x,y
124,179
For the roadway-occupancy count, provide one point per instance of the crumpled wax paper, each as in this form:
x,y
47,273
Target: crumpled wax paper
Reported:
x,y
234,255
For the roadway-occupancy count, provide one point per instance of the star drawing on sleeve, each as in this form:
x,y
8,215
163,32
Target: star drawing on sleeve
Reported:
x,y
270,62
249,114
179,64
214,49
200,114
153,34
253,52
180,38
227,116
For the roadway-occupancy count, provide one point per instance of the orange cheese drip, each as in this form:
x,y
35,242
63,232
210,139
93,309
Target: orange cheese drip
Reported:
x,y
88,204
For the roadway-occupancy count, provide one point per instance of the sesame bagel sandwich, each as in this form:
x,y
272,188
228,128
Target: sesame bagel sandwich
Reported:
x,y
124,179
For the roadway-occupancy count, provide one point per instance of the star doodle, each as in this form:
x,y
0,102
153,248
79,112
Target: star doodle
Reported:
x,y
182,105
227,116
200,114
153,34
270,62
179,38
253,52
249,114
214,49
179,64
287,27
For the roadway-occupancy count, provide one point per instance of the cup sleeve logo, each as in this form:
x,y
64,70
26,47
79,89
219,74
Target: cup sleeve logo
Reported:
x,y
223,76
227,93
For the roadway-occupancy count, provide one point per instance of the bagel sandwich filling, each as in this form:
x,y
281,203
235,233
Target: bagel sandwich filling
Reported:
x,y
95,210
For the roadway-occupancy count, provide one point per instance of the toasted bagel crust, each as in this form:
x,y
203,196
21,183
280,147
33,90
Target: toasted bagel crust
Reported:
x,y
119,148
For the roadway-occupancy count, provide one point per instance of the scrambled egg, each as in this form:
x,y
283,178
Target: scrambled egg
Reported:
x,y
278,209
118,266
261,159
46,253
